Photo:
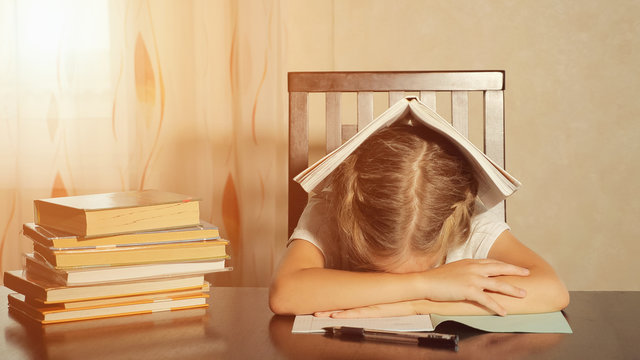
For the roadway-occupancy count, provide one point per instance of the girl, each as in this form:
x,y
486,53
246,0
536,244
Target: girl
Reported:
x,y
399,231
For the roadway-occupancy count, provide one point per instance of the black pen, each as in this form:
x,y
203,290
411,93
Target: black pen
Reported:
x,y
435,340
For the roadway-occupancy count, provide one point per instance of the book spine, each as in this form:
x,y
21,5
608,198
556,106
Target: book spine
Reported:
x,y
62,218
15,283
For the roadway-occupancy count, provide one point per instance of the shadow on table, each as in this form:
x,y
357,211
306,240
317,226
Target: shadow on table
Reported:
x,y
173,334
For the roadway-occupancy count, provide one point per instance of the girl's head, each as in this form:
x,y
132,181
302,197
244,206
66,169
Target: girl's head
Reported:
x,y
400,200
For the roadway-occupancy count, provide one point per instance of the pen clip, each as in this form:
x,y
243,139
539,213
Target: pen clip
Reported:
x,y
347,332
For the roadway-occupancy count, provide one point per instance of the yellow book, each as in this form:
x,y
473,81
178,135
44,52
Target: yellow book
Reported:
x,y
57,239
130,255
48,293
117,213
50,314
123,299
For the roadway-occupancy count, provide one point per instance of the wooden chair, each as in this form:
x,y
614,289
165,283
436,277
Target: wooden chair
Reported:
x,y
426,83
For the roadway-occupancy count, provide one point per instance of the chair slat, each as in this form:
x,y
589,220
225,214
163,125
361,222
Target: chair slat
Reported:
x,y
395,96
429,99
460,111
298,153
365,108
494,136
334,129
494,126
348,130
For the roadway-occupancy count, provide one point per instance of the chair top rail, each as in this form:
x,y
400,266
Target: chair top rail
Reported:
x,y
396,81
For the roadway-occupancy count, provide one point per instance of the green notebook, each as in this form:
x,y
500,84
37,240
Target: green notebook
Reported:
x,y
553,322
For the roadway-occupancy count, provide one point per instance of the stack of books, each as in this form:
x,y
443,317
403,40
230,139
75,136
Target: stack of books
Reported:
x,y
115,254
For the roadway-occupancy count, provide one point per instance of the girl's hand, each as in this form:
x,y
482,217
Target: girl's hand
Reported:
x,y
471,280
460,281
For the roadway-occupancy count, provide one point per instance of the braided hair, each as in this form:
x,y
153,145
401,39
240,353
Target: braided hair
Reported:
x,y
405,190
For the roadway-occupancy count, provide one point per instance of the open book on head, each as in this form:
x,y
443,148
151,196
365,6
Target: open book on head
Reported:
x,y
494,183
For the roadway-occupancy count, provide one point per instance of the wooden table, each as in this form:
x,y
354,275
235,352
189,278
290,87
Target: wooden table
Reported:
x,y
239,325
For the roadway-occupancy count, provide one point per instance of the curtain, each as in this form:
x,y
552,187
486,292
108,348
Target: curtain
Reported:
x,y
183,96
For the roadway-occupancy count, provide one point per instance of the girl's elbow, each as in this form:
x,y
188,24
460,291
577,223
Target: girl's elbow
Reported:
x,y
278,301
558,296
563,298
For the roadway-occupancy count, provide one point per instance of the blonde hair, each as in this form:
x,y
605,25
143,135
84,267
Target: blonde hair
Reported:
x,y
405,189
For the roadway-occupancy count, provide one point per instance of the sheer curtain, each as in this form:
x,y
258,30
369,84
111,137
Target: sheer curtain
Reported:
x,y
185,96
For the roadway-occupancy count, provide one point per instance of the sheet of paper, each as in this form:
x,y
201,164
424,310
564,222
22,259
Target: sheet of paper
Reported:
x,y
312,324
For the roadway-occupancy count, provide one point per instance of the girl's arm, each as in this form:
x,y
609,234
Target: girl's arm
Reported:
x,y
302,284
545,292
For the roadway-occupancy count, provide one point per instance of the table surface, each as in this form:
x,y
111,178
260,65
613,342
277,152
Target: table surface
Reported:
x,y
239,325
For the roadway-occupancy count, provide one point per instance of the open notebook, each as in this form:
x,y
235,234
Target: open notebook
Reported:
x,y
553,322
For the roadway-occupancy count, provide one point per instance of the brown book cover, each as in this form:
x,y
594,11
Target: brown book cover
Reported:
x,y
117,213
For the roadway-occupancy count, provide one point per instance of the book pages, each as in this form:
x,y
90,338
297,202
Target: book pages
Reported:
x,y
494,183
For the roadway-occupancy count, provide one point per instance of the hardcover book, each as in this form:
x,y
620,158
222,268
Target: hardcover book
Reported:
x,y
116,213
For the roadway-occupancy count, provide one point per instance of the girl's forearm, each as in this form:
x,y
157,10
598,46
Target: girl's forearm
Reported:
x,y
311,290
545,293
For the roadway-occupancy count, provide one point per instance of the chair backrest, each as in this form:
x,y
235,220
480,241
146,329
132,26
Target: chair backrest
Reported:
x,y
365,84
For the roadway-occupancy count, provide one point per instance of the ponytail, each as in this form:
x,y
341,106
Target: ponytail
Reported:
x,y
457,226
346,200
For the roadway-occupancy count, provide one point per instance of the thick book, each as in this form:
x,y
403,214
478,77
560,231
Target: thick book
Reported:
x,y
495,184
57,239
50,314
87,275
48,292
132,255
117,213
552,322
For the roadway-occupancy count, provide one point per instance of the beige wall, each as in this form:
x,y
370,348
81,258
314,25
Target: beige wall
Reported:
x,y
571,106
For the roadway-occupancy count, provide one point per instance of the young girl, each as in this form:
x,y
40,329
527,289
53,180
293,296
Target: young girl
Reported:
x,y
399,231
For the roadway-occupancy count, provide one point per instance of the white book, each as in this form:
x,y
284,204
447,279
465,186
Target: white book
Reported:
x,y
88,275
494,183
